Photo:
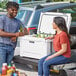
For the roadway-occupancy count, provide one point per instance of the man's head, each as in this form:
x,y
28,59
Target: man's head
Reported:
x,y
12,9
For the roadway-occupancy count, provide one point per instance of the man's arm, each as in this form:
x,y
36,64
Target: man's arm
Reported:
x,y
25,32
7,34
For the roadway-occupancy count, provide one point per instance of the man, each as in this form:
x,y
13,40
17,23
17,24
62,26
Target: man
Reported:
x,y
9,27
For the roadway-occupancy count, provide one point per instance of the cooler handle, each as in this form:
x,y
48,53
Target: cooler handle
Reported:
x,y
31,42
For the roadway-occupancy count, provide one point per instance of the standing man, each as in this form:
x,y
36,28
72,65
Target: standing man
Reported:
x,y
9,27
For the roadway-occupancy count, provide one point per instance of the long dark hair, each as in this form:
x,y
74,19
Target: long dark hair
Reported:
x,y
60,22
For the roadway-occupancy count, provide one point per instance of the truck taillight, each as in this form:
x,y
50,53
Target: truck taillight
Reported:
x,y
33,28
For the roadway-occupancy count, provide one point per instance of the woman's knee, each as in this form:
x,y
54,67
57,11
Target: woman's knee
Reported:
x,y
45,64
46,68
40,62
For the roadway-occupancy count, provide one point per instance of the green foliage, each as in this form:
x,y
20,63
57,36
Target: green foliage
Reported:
x,y
26,0
29,0
58,0
3,4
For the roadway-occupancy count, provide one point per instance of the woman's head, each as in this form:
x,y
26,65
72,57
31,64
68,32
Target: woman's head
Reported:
x,y
12,8
60,23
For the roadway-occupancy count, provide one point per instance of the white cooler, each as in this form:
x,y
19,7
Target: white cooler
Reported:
x,y
35,47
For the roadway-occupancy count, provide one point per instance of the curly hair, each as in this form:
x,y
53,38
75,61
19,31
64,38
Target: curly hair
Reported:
x,y
12,4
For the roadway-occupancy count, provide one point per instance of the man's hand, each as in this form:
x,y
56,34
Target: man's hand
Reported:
x,y
13,39
20,34
26,31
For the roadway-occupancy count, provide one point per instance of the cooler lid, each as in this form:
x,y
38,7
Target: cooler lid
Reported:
x,y
46,20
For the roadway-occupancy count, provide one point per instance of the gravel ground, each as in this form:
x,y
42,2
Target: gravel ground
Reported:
x,y
27,69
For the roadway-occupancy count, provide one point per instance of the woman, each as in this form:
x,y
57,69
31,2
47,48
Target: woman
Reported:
x,y
61,44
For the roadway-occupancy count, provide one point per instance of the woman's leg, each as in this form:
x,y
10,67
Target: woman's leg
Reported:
x,y
40,66
53,61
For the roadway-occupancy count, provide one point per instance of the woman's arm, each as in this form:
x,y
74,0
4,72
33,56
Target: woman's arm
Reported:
x,y
62,51
49,38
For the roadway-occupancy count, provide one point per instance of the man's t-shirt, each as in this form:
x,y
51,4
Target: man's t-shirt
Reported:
x,y
9,25
59,40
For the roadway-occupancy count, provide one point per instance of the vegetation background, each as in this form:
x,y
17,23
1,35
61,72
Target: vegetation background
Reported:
x,y
3,3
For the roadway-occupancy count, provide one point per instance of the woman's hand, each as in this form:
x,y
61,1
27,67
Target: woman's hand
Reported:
x,y
49,57
49,38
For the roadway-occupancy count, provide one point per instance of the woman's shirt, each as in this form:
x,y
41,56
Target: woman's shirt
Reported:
x,y
60,39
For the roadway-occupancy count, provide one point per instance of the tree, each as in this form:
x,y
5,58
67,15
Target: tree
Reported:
x,y
57,0
3,4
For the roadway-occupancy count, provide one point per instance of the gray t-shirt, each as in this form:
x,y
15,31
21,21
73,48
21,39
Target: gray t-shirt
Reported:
x,y
11,26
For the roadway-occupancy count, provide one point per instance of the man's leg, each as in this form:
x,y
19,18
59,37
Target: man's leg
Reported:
x,y
2,56
10,54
